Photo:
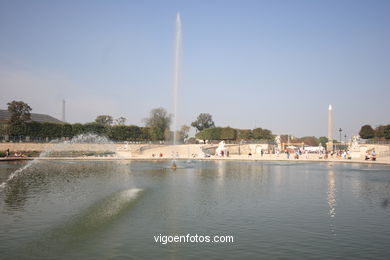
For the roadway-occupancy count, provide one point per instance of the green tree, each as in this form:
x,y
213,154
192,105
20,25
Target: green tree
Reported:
x,y
78,129
228,133
244,134
158,121
104,120
366,132
134,132
386,132
51,130
323,140
34,129
379,131
183,133
204,135
67,130
145,134
262,134
95,128
120,121
17,129
119,133
20,112
203,121
210,134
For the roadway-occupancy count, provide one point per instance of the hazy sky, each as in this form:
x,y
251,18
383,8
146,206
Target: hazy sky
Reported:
x,y
271,64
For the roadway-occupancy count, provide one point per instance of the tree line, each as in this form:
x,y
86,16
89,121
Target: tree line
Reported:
x,y
380,132
232,134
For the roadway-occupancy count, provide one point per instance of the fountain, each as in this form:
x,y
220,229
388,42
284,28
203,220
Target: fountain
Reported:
x,y
81,145
176,80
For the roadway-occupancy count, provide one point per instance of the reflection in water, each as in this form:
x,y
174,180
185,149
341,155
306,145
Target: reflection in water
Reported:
x,y
331,193
221,171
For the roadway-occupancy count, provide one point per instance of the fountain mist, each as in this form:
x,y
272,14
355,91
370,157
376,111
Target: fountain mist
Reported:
x,y
176,78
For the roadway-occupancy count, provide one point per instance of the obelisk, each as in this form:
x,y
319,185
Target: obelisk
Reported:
x,y
329,144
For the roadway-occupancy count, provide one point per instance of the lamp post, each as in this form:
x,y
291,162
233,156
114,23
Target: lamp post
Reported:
x,y
340,130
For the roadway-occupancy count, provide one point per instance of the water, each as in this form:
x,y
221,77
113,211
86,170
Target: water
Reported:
x,y
83,142
113,210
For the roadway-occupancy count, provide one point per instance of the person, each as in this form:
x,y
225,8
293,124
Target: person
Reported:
x,y
288,154
373,155
249,154
7,152
306,154
161,155
262,152
367,156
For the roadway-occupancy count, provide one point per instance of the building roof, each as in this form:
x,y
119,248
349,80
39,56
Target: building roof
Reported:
x,y
42,118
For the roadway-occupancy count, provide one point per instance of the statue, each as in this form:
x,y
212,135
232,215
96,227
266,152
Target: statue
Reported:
x,y
221,150
355,143
278,143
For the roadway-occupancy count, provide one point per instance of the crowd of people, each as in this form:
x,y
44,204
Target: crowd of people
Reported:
x,y
15,154
324,154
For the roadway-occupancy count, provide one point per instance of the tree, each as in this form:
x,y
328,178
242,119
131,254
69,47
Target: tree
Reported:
x,y
20,112
214,133
366,132
203,121
228,133
244,134
205,134
183,133
323,140
119,133
104,120
78,129
120,121
310,140
67,130
379,131
386,132
145,133
158,122
95,128
265,134
135,132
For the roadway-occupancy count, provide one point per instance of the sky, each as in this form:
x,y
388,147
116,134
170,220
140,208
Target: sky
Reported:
x,y
270,64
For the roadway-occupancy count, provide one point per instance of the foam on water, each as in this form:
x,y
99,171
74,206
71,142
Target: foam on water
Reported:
x,y
86,224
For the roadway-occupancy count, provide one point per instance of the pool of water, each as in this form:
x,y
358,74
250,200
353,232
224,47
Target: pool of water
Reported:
x,y
114,210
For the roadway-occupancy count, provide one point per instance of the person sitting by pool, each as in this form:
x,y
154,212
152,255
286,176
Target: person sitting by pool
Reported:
x,y
367,156
373,156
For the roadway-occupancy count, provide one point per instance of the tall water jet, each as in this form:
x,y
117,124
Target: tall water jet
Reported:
x,y
176,81
176,78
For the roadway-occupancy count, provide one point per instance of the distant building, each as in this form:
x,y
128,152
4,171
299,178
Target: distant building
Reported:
x,y
42,118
